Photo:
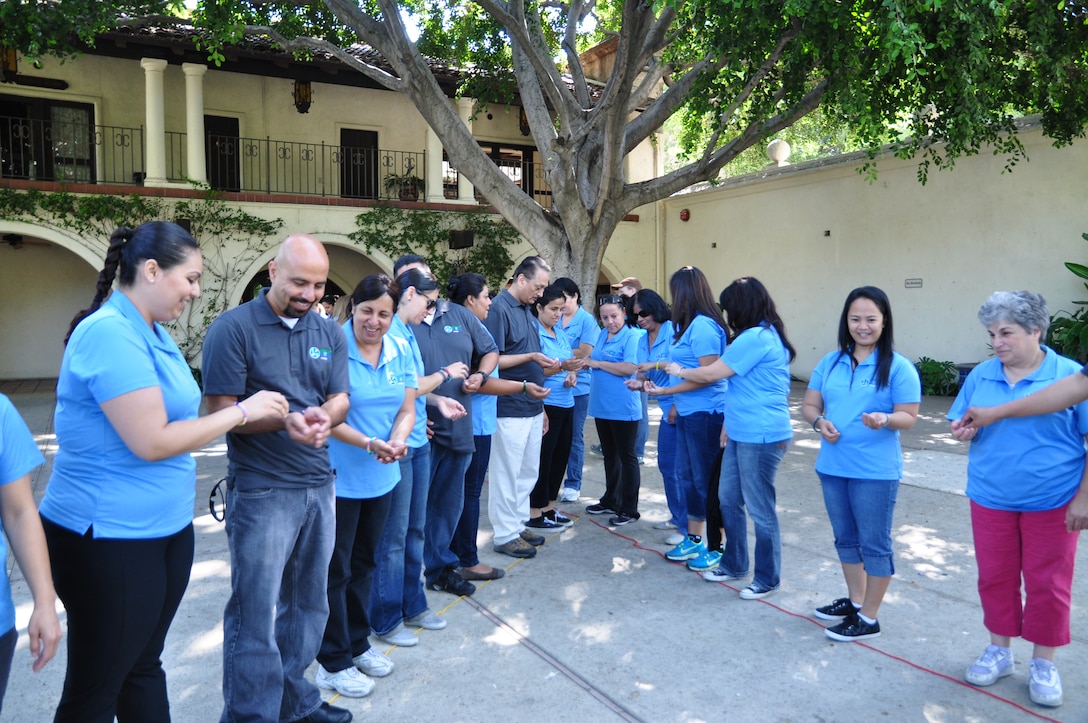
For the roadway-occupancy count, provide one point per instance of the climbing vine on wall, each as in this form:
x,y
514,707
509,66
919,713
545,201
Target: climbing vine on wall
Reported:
x,y
398,231
230,240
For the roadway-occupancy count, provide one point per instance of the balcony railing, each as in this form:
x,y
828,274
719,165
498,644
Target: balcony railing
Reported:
x,y
51,150
81,153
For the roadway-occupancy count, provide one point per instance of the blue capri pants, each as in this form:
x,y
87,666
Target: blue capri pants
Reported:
x,y
861,517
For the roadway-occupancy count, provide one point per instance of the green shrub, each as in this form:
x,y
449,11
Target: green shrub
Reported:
x,y
939,378
1068,333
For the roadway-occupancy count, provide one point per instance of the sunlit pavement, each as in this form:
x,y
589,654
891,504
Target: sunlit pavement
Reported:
x,y
600,627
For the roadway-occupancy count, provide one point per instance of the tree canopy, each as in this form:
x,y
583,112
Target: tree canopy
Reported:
x,y
937,79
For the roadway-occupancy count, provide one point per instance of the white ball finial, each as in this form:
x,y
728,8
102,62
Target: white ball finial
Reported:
x,y
778,151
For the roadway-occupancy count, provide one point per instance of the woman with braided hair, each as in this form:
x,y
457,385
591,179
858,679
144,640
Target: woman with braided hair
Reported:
x,y
118,510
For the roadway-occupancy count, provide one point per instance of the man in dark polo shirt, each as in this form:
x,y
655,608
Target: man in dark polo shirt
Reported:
x,y
515,455
451,333
280,496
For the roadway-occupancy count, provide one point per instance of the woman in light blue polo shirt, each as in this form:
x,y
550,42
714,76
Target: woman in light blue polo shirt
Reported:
x,y
364,451
559,406
118,510
699,339
859,398
756,433
616,411
19,455
655,319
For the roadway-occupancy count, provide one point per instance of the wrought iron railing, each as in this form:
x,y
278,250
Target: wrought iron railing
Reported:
x,y
74,152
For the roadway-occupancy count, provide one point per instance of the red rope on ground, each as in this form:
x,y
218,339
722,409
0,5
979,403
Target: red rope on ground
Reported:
x,y
975,689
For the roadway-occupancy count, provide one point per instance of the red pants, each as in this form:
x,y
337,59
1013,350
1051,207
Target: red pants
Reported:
x,y
1034,547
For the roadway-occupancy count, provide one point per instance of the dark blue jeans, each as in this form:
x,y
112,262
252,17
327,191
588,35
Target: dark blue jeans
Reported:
x,y
577,457
748,474
359,525
463,544
668,465
698,442
281,542
445,502
397,590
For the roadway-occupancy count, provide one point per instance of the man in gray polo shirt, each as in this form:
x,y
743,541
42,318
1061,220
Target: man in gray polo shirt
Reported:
x,y
280,497
515,456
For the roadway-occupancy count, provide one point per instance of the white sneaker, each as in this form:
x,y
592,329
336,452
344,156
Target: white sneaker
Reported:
x,y
348,682
426,620
663,525
399,636
568,494
1045,687
675,538
995,662
373,663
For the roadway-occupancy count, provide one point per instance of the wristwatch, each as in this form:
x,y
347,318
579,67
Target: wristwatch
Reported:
x,y
483,378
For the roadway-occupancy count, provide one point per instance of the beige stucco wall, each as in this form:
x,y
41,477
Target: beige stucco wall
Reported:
x,y
813,235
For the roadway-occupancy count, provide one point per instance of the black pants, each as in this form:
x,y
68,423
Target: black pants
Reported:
x,y
7,653
714,525
621,473
554,453
120,596
359,526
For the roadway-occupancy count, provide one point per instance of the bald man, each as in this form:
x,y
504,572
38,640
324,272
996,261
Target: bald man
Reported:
x,y
280,497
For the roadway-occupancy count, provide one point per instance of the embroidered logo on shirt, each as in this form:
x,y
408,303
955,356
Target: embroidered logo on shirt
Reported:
x,y
317,353
395,380
452,328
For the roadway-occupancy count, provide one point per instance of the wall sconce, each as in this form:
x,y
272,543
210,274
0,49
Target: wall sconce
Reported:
x,y
303,95
523,122
685,214
9,64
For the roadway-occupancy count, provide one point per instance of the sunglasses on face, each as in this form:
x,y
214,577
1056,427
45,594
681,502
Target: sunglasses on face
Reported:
x,y
644,313
431,303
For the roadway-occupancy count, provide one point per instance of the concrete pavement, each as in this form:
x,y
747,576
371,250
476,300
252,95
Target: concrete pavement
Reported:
x,y
599,626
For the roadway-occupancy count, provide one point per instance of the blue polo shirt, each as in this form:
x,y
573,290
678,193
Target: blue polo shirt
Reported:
x,y
400,330
97,481
376,396
580,329
702,337
1028,464
19,455
861,452
513,327
609,397
452,334
757,409
484,408
249,348
659,353
556,347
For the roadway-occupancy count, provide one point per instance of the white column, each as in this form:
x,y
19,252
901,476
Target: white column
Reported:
x,y
194,121
465,192
155,124
433,176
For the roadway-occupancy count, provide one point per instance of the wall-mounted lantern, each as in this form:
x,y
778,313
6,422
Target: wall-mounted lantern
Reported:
x,y
303,95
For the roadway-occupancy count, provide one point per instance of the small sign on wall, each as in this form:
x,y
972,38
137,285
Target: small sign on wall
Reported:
x,y
912,284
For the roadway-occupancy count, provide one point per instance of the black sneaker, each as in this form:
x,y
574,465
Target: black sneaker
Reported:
x,y
837,610
558,517
543,523
599,509
621,519
853,628
449,581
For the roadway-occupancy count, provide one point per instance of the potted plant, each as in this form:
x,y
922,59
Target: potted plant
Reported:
x,y
403,186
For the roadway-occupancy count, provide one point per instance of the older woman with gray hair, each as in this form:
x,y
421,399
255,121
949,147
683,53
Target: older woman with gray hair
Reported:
x,y
1025,480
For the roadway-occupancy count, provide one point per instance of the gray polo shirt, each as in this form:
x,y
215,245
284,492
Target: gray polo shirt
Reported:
x,y
514,328
453,335
248,349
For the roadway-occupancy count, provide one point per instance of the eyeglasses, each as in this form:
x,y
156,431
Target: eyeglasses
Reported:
x,y
644,313
431,303
610,299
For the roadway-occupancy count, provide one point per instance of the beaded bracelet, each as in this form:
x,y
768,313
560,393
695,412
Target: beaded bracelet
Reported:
x,y
245,415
